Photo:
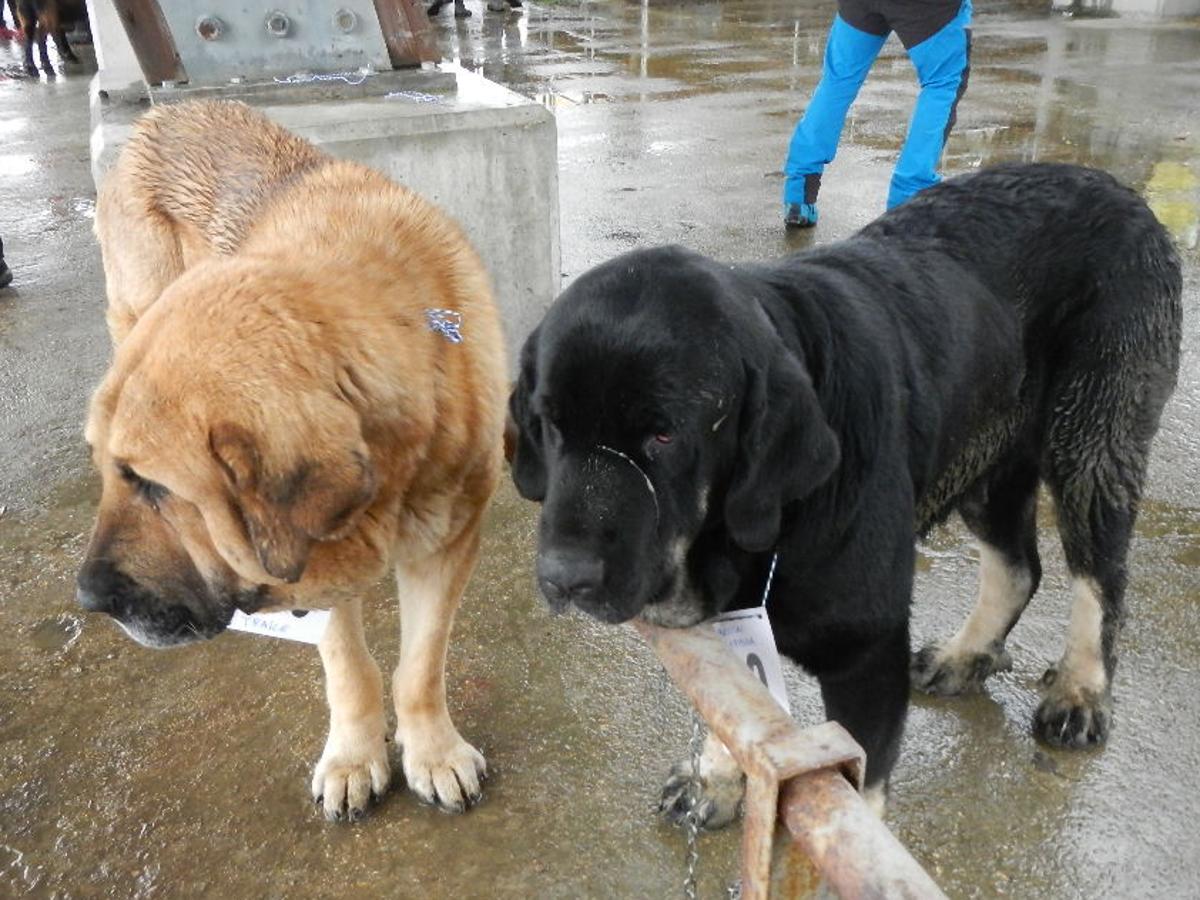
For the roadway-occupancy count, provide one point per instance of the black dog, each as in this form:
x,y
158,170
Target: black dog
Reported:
x,y
40,18
682,420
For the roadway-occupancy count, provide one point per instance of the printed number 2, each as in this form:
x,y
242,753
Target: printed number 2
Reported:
x,y
756,666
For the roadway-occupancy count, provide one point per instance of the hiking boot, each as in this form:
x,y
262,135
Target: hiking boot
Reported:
x,y
800,215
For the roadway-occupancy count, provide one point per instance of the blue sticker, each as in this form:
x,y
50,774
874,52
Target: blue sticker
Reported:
x,y
446,322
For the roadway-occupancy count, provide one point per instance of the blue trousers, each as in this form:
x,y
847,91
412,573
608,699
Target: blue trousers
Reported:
x,y
942,62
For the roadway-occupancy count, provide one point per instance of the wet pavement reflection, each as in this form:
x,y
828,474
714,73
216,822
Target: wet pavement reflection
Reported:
x,y
126,772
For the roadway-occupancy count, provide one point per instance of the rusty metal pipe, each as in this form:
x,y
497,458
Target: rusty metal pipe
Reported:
x,y
854,851
808,777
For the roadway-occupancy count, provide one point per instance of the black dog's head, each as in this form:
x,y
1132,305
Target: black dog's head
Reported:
x,y
657,402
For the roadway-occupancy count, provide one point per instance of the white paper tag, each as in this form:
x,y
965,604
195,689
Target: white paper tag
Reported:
x,y
747,632
283,624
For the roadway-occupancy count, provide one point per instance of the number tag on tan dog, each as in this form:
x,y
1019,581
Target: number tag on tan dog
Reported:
x,y
307,629
747,632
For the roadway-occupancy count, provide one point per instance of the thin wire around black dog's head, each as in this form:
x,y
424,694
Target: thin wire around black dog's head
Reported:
x,y
649,484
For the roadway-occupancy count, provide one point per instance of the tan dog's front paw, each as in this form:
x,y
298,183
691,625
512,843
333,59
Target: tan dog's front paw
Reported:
x,y
441,768
353,768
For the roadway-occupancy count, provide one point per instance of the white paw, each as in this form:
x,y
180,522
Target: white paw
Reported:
x,y
353,768
716,801
440,767
948,670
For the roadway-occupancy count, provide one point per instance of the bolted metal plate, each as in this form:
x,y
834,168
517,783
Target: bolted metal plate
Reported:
x,y
221,40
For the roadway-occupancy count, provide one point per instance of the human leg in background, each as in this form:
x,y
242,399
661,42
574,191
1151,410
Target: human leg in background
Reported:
x,y
943,63
5,272
849,54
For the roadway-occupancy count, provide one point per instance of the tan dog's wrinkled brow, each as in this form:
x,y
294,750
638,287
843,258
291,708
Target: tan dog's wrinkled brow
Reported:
x,y
286,513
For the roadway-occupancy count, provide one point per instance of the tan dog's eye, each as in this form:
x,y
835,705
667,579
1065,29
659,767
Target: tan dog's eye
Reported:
x,y
150,491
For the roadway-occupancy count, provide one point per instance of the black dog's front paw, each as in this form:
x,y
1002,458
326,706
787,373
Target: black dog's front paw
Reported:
x,y
936,670
1070,716
714,801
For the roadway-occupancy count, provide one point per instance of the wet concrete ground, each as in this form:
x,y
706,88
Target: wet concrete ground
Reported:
x,y
125,772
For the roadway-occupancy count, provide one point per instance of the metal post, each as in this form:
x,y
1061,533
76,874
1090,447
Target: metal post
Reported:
x,y
407,32
151,40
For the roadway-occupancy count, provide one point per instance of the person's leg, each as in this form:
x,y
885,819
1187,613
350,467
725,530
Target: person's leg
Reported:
x,y
5,272
943,63
849,54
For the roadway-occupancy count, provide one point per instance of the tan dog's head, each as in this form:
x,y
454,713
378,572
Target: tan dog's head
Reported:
x,y
228,457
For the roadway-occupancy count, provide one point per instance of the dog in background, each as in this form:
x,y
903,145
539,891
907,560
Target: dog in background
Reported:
x,y
685,422
461,11
39,18
307,390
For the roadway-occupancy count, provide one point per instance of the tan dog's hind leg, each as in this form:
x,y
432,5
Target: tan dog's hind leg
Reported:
x,y
439,765
141,254
355,762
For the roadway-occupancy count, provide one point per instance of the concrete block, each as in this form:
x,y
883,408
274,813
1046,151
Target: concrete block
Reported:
x,y
485,154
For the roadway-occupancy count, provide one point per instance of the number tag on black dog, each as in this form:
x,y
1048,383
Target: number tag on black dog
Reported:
x,y
747,632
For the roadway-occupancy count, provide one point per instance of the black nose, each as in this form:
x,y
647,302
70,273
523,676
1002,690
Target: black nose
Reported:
x,y
98,585
569,576
92,601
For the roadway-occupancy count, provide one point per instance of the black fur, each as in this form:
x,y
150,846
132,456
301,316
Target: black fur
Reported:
x,y
1017,325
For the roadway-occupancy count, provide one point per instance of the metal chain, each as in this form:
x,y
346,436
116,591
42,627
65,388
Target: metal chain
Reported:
x,y
733,891
690,822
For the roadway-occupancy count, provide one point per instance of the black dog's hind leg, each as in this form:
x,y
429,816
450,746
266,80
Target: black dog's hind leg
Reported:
x,y
1106,406
64,48
868,695
1103,409
1002,513
47,66
32,33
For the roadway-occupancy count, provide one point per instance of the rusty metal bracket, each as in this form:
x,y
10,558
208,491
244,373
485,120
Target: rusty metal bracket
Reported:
x,y
809,778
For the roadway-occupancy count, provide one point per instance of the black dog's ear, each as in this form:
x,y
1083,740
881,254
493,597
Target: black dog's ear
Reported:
x,y
786,450
523,433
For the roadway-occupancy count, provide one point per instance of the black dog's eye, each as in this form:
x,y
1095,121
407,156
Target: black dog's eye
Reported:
x,y
658,442
150,491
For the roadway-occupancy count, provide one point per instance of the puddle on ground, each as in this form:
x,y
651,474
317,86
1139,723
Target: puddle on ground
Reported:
x,y
57,634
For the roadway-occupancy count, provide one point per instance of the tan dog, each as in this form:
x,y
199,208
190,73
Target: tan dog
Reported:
x,y
284,419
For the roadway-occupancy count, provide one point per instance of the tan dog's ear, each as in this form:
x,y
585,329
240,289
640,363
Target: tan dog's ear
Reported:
x,y
287,507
